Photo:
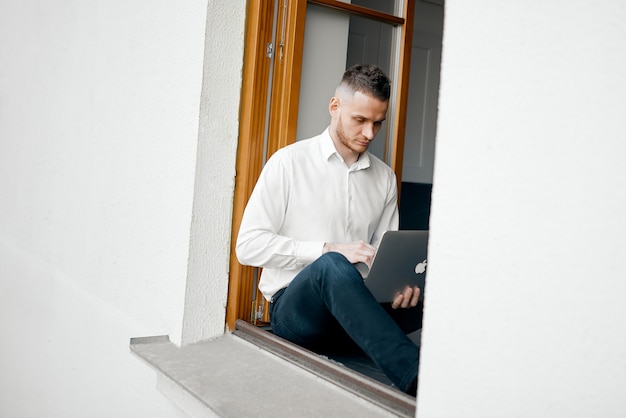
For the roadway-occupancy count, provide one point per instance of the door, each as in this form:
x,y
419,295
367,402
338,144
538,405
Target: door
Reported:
x,y
421,121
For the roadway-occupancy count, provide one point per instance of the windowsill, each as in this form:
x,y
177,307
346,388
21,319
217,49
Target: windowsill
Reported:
x,y
252,372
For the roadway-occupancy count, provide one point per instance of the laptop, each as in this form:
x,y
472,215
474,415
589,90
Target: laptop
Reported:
x,y
400,261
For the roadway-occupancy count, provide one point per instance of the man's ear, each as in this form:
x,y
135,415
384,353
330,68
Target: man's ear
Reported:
x,y
333,106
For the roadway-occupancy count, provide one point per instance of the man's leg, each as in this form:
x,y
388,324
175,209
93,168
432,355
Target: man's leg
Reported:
x,y
328,296
408,319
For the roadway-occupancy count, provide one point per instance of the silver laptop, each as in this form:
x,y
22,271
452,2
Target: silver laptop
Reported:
x,y
400,261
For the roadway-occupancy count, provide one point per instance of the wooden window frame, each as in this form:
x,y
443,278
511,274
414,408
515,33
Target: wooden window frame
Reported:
x,y
283,111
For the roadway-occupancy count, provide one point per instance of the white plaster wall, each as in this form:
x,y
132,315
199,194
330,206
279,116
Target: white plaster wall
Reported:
x,y
99,127
64,349
525,295
209,255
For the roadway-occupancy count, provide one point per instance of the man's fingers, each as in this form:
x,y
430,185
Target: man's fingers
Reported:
x,y
408,292
402,299
410,297
397,301
366,254
416,296
355,252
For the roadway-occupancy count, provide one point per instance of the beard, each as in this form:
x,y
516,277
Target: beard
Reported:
x,y
348,142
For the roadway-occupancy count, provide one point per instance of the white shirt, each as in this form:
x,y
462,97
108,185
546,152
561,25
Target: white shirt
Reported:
x,y
306,196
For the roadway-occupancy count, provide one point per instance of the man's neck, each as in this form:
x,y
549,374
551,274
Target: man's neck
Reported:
x,y
349,156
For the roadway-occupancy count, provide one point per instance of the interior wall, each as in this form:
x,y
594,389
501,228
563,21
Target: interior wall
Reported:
x,y
99,128
323,63
525,289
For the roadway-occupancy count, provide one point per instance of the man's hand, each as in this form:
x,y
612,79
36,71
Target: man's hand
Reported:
x,y
408,299
355,252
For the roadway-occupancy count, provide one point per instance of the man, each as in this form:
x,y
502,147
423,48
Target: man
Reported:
x,y
319,208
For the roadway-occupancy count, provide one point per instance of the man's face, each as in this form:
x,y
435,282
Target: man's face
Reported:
x,y
356,120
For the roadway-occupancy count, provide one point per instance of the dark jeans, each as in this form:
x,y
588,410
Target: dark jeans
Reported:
x,y
327,306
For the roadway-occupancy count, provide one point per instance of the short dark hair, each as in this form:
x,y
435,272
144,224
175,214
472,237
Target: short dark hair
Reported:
x,y
367,79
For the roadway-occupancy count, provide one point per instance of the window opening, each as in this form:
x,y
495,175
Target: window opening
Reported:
x,y
283,81
367,27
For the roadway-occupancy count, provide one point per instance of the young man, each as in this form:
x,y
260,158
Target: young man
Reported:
x,y
319,208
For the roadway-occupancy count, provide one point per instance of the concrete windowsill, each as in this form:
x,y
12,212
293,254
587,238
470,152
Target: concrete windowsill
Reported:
x,y
251,372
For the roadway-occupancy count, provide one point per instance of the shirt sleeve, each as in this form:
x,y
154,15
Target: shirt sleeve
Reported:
x,y
259,243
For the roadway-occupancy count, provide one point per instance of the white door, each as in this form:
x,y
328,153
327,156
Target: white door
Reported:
x,y
421,120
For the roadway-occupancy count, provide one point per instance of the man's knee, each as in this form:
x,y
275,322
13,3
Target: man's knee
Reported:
x,y
337,268
335,263
333,257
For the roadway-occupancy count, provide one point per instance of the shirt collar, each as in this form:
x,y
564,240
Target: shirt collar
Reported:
x,y
328,149
327,145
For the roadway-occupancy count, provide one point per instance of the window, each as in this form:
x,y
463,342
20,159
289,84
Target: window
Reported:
x,y
281,37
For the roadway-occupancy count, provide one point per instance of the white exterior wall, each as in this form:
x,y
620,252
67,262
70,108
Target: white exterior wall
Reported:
x,y
209,257
99,116
100,110
525,294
